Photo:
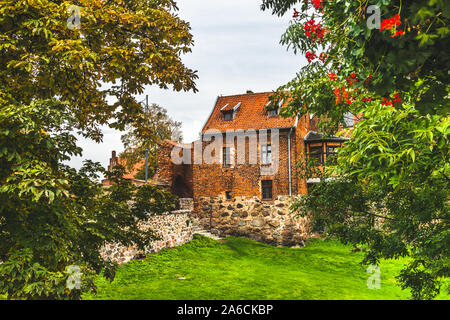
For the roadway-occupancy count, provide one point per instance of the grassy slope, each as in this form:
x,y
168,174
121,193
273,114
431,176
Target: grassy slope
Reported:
x,y
244,269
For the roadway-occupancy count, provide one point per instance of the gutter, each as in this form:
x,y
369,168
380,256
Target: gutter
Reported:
x,y
289,164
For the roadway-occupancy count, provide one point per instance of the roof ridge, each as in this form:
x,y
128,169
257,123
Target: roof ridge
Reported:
x,y
245,94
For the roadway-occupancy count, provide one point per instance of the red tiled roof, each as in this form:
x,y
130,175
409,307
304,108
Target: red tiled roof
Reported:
x,y
251,114
174,143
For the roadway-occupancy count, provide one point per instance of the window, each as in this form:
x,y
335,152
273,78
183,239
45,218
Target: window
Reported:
x,y
331,153
228,195
266,154
316,153
228,116
348,119
226,160
266,189
273,113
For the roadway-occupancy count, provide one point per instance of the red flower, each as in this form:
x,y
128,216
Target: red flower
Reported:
x,y
398,33
397,98
310,56
344,94
333,76
295,13
390,23
318,4
349,81
392,103
386,102
338,97
313,30
387,24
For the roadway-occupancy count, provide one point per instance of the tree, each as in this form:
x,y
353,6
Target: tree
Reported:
x,y
52,216
55,80
138,138
120,47
389,188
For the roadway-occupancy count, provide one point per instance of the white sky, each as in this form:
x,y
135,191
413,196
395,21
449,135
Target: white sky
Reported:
x,y
236,49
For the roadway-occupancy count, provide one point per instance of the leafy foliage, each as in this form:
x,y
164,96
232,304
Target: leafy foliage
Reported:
x,y
53,216
389,188
138,139
120,47
54,81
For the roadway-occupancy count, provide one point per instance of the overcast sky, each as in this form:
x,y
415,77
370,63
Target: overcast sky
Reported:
x,y
236,49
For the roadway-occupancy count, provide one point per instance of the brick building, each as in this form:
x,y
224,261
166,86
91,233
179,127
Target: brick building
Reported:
x,y
246,191
129,175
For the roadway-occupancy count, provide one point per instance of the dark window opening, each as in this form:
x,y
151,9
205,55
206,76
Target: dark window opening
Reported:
x,y
266,189
273,113
316,154
228,116
228,195
226,157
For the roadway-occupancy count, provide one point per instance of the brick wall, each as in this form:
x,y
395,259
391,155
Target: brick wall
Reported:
x,y
177,178
244,180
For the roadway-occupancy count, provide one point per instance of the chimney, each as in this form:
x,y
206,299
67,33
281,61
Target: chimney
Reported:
x,y
113,154
249,91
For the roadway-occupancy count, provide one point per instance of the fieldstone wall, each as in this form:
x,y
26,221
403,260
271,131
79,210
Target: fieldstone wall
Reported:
x,y
265,221
173,229
186,204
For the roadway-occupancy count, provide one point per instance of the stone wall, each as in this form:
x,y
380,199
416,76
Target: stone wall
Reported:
x,y
174,229
186,204
265,221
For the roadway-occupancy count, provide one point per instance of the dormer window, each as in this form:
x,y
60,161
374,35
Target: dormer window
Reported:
x,y
229,112
228,116
273,113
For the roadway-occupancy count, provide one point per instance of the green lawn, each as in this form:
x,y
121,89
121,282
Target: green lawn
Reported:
x,y
244,269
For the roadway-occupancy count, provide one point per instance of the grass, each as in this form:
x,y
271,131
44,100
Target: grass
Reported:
x,y
243,269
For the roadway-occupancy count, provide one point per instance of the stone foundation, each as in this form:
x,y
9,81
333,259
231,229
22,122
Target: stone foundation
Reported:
x,y
173,229
186,204
265,221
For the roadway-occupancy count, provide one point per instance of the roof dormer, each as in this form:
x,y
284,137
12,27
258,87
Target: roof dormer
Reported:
x,y
229,112
273,112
